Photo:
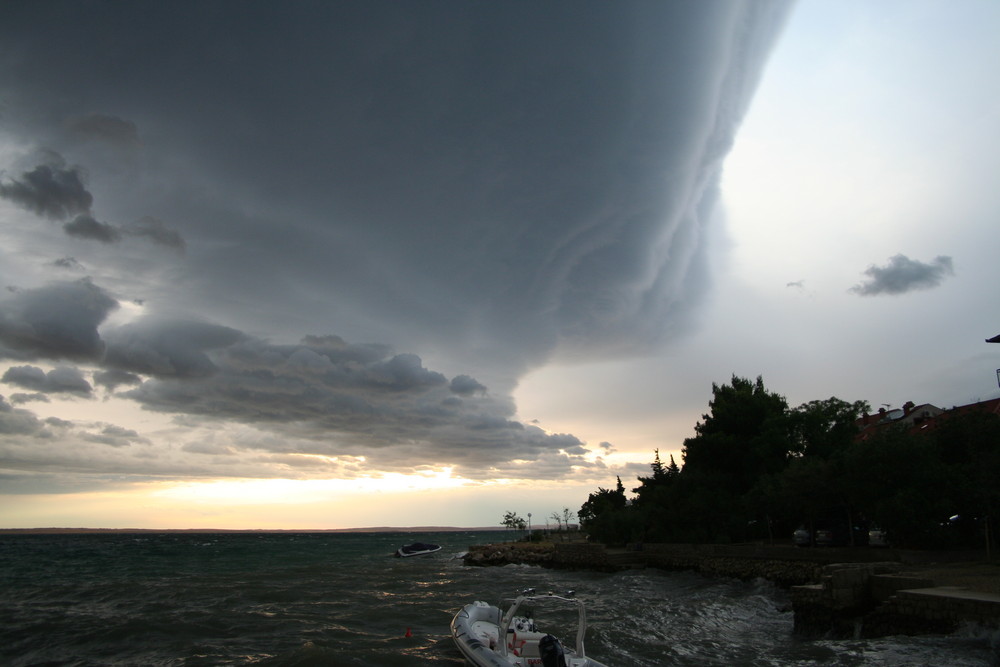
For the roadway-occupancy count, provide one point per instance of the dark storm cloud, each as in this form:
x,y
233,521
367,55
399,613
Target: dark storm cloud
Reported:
x,y
86,227
56,322
68,263
402,372
349,400
495,178
57,192
156,231
166,348
62,379
463,385
112,379
114,436
106,128
50,190
483,181
903,274
17,399
16,421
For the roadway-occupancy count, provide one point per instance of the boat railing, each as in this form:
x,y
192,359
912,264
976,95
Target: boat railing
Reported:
x,y
529,596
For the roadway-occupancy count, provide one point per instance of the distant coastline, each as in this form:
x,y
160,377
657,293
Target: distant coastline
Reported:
x,y
372,529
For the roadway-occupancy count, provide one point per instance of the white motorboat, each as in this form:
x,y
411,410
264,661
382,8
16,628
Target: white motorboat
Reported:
x,y
489,637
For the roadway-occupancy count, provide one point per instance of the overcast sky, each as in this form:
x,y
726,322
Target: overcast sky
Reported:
x,y
307,265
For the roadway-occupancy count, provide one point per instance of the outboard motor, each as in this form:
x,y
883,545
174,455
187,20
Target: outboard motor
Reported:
x,y
551,652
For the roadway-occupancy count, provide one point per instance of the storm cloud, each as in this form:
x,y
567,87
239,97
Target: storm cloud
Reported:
x,y
902,275
347,401
506,179
58,321
54,190
107,129
62,379
84,226
464,189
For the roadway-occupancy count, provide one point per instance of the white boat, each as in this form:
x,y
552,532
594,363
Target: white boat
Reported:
x,y
489,637
416,549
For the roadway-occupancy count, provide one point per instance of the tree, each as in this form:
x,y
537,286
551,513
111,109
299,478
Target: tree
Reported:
x,y
511,521
603,515
822,428
557,517
662,477
756,469
603,502
802,493
567,517
742,409
967,444
889,477
743,438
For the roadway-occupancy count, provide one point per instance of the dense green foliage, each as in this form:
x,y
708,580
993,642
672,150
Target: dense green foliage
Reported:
x,y
757,470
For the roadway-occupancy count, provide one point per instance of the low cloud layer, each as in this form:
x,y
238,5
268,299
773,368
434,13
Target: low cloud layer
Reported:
x,y
902,275
325,396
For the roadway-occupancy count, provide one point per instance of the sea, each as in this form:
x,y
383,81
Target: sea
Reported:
x,y
300,599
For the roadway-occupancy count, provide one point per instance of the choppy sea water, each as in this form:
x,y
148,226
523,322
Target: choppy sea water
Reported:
x,y
298,599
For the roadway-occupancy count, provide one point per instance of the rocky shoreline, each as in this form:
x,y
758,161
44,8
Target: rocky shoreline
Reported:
x,y
835,592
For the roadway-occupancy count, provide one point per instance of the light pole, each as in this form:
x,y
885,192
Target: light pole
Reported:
x,y
989,556
529,526
995,339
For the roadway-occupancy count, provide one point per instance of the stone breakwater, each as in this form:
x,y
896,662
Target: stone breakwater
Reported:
x,y
507,553
570,555
829,598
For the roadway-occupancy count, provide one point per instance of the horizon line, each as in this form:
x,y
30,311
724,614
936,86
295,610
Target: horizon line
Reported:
x,y
367,529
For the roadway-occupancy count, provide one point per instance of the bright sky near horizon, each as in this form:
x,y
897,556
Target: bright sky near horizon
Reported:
x,y
364,264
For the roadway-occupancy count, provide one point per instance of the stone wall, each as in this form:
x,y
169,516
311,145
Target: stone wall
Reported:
x,y
842,596
582,555
870,600
934,610
722,561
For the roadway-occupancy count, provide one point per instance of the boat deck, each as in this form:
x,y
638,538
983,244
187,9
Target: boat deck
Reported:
x,y
486,632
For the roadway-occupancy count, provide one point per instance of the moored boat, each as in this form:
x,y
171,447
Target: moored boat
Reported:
x,y
416,549
489,637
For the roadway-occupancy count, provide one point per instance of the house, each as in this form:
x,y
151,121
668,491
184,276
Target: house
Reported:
x,y
918,418
909,415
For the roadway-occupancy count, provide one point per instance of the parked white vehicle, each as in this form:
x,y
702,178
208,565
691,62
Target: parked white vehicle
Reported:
x,y
877,537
